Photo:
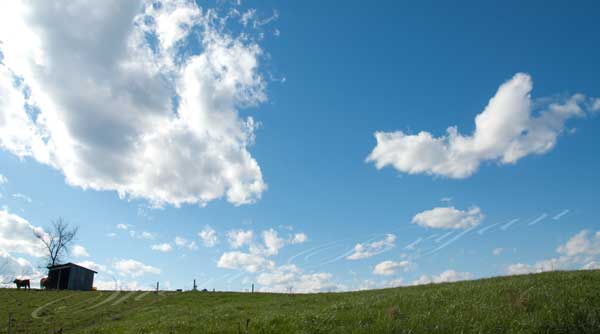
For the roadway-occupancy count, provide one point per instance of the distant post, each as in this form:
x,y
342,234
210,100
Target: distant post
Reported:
x,y
252,287
156,287
195,286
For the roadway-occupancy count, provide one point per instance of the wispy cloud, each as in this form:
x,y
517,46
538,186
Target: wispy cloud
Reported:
x,y
561,214
449,242
413,244
444,236
363,251
485,228
538,219
509,224
22,197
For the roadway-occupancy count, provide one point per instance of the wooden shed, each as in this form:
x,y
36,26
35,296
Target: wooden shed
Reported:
x,y
70,276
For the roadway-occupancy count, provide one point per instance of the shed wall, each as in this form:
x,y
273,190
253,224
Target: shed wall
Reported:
x,y
81,279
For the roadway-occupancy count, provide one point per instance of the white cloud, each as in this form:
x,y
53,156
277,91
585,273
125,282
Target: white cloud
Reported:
x,y
562,262
580,251
449,275
497,251
147,235
14,267
184,243
596,105
3,178
581,244
299,238
280,276
592,265
142,235
17,235
387,268
79,251
519,269
449,217
121,285
164,247
192,245
370,284
289,278
209,236
363,251
244,261
273,243
94,98
239,238
22,197
94,266
134,268
510,127
123,226
180,241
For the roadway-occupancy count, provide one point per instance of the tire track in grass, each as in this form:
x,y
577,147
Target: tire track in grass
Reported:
x,y
144,294
108,299
86,302
35,314
124,298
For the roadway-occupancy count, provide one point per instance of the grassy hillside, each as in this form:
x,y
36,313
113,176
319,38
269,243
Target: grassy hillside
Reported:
x,y
558,302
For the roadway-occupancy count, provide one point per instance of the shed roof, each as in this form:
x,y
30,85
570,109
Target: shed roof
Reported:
x,y
68,265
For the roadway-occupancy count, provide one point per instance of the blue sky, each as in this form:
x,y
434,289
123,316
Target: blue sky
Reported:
x,y
318,81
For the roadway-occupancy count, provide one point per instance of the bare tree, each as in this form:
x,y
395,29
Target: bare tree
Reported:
x,y
57,240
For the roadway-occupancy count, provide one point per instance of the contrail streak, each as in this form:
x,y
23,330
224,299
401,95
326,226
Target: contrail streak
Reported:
x,y
351,250
337,258
509,224
562,213
444,236
538,219
205,283
412,245
320,250
306,251
452,240
480,232
235,277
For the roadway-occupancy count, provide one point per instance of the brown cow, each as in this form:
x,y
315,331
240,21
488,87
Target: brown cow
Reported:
x,y
22,283
44,283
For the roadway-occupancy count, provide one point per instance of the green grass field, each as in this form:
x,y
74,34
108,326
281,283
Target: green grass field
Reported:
x,y
557,302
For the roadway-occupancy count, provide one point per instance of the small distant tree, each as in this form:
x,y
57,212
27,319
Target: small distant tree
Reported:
x,y
57,240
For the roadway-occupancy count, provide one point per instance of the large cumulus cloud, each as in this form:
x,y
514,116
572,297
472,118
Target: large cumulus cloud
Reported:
x,y
140,97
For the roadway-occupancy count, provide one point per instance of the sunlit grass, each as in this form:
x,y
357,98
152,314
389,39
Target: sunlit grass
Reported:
x,y
558,302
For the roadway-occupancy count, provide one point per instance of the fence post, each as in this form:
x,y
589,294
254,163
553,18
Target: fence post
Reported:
x,y
252,287
156,287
